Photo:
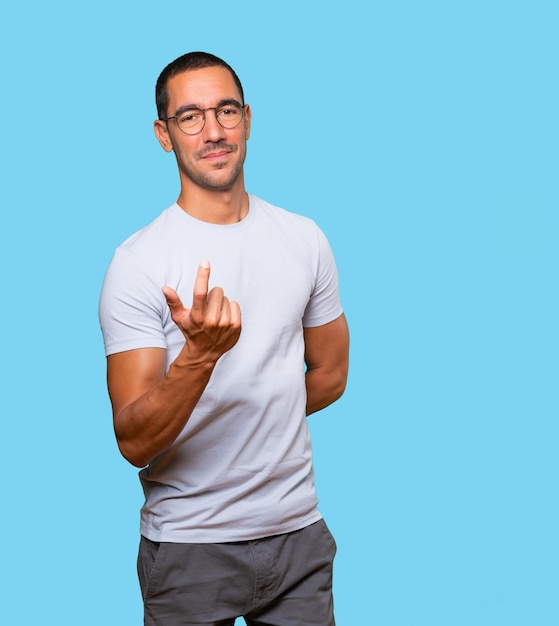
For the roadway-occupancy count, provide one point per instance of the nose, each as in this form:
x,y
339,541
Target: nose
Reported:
x,y
213,130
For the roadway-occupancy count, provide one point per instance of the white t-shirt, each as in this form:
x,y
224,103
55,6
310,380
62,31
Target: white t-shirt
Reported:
x,y
241,468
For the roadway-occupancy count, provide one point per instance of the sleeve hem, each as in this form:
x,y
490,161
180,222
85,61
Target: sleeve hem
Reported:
x,y
124,346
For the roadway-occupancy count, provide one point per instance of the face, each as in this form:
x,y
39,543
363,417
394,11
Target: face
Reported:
x,y
213,158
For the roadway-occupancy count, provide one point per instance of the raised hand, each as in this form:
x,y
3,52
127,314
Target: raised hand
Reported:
x,y
212,325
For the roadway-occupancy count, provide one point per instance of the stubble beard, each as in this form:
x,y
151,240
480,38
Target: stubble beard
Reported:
x,y
207,180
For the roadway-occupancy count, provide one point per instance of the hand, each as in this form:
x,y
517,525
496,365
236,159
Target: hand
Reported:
x,y
213,325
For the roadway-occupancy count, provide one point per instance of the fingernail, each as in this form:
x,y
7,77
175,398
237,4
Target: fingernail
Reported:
x,y
204,263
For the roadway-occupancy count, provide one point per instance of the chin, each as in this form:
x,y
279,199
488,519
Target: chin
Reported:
x,y
217,182
222,177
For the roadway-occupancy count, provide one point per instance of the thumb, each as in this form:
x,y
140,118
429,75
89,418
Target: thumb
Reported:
x,y
173,301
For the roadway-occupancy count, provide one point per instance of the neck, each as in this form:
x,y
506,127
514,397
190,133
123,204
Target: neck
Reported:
x,y
215,207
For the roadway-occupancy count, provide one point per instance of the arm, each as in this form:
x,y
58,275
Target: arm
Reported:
x,y
150,408
327,360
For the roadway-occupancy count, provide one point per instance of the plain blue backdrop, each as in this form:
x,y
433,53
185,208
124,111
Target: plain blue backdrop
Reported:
x,y
423,138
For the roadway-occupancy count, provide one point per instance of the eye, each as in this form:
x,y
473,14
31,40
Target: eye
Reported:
x,y
190,117
228,111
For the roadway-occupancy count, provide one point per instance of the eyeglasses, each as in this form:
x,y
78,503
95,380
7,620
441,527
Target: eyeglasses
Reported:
x,y
192,120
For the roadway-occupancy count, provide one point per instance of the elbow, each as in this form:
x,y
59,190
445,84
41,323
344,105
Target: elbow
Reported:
x,y
337,383
129,444
133,456
338,386
339,378
324,390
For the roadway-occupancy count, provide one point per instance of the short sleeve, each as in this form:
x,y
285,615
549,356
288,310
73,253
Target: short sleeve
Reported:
x,y
324,304
131,306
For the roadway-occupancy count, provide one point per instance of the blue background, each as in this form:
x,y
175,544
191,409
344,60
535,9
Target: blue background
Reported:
x,y
423,138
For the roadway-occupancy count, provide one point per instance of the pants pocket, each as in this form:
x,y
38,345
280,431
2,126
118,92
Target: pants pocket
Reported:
x,y
149,555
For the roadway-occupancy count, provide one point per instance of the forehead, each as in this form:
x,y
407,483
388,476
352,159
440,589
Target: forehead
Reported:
x,y
204,87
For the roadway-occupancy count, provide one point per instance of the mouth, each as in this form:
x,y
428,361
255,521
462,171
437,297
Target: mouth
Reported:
x,y
216,152
216,155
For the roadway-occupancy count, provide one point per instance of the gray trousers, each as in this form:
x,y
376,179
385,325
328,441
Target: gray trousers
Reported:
x,y
283,580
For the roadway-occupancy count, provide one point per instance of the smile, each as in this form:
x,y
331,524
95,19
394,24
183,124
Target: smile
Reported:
x,y
216,155
217,151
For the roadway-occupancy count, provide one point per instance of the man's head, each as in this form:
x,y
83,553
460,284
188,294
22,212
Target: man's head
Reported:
x,y
189,61
204,121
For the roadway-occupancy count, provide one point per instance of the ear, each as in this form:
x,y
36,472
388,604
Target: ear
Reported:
x,y
248,119
162,134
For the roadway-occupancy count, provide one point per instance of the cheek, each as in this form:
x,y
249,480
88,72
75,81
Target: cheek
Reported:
x,y
185,152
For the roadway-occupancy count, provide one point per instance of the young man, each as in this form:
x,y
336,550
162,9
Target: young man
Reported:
x,y
211,386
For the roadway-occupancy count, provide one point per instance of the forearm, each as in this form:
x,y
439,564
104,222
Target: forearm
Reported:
x,y
151,423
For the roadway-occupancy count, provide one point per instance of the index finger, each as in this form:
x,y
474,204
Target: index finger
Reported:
x,y
201,284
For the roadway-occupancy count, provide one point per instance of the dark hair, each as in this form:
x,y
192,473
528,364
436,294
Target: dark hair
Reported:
x,y
189,61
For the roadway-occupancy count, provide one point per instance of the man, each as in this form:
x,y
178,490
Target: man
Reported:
x,y
214,410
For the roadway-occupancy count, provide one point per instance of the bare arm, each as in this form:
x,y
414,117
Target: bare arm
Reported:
x,y
327,359
150,408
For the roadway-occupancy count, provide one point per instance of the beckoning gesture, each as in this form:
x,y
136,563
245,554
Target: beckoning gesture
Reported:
x,y
213,325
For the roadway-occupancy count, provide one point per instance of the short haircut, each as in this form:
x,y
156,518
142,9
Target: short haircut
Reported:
x,y
189,61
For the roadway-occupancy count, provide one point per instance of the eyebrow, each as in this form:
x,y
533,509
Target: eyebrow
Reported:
x,y
221,103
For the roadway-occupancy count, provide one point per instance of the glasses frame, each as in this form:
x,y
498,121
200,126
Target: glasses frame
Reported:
x,y
219,106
